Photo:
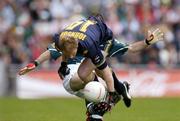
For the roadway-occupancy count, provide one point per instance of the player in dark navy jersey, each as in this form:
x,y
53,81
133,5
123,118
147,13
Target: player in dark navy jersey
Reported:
x,y
90,34
92,48
86,36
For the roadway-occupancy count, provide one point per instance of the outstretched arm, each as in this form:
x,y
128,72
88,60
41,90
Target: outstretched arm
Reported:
x,y
154,36
31,66
136,47
43,57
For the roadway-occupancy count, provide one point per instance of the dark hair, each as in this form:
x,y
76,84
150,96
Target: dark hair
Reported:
x,y
97,17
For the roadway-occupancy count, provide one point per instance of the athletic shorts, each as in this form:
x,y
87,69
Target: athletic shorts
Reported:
x,y
67,79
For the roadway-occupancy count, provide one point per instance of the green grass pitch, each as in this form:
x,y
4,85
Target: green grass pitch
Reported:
x,y
67,109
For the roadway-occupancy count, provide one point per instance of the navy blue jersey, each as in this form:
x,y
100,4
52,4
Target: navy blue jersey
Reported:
x,y
112,47
91,33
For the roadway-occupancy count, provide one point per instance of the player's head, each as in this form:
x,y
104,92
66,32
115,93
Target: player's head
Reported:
x,y
68,45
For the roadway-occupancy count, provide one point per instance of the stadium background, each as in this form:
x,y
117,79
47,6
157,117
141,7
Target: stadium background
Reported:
x,y
26,30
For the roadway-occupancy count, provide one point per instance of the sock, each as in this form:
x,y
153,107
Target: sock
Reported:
x,y
119,87
93,119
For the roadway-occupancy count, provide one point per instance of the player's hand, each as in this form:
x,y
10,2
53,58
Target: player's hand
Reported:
x,y
63,70
28,68
154,35
113,99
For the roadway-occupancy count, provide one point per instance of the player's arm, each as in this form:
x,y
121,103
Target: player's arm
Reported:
x,y
50,53
106,73
154,36
99,61
31,66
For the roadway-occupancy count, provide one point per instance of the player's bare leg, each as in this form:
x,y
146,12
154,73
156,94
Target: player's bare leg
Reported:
x,y
76,83
85,71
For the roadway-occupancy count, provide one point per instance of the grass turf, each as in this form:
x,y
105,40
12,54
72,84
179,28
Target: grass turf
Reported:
x,y
62,109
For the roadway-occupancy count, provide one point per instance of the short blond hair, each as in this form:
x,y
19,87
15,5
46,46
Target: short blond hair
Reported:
x,y
67,41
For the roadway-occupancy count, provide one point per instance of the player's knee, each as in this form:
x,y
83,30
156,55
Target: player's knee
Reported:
x,y
84,76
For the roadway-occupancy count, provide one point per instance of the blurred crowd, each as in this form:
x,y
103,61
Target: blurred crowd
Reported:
x,y
27,27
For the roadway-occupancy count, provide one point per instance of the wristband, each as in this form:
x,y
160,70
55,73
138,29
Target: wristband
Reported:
x,y
36,63
147,42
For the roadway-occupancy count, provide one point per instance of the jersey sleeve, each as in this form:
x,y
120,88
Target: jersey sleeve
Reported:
x,y
115,48
53,52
